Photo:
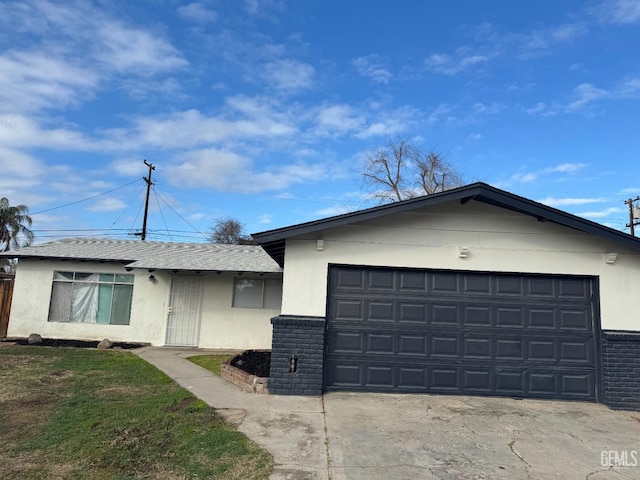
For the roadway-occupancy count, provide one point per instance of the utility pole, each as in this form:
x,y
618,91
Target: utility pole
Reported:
x,y
634,214
143,234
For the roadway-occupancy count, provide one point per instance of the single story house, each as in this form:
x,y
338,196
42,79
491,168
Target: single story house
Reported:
x,y
471,291
176,294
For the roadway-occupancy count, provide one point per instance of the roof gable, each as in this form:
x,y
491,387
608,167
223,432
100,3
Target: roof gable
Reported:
x,y
273,241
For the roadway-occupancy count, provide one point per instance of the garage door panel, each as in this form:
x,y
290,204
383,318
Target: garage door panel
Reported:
x,y
542,318
510,317
477,380
574,288
412,281
577,385
542,350
508,286
476,285
347,342
444,345
412,312
412,344
444,282
575,319
381,280
509,349
460,332
379,376
381,311
541,287
477,315
348,309
576,351
351,279
444,314
380,343
480,348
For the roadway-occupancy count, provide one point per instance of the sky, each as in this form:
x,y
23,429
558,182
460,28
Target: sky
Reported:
x,y
266,111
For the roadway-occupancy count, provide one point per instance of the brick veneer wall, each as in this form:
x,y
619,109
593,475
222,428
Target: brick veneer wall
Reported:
x,y
621,370
301,339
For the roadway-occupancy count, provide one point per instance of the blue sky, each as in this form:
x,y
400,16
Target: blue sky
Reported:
x,y
265,110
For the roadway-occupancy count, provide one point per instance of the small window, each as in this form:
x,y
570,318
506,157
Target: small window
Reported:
x,y
91,298
257,293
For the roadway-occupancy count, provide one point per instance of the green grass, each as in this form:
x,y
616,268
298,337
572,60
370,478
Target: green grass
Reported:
x,y
89,414
210,362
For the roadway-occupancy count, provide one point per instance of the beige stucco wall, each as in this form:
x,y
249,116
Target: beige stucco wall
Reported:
x,y
498,240
222,326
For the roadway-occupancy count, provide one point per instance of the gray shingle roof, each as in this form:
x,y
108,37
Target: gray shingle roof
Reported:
x,y
155,255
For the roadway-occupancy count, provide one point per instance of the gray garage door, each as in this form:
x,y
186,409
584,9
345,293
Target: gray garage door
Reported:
x,y
460,332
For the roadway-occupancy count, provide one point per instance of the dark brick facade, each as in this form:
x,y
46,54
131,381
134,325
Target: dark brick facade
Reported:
x,y
297,355
621,370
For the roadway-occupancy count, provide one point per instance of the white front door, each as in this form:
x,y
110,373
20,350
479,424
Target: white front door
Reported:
x,y
185,303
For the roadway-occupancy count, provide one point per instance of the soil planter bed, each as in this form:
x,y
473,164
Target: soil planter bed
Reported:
x,y
249,371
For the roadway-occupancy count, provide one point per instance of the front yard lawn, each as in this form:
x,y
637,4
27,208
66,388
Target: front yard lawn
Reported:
x,y
210,362
90,414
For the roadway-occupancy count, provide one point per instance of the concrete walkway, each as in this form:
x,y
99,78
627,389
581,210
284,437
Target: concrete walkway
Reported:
x,y
292,428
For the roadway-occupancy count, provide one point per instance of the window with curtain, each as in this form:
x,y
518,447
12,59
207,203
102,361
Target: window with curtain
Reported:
x,y
257,293
91,298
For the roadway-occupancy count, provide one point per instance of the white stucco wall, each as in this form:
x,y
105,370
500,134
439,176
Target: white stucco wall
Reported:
x,y
222,326
498,240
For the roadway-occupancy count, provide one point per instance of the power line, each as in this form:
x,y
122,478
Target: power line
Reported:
x,y
85,199
174,211
162,214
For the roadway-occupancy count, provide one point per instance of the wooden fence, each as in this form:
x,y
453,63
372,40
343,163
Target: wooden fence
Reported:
x,y
6,293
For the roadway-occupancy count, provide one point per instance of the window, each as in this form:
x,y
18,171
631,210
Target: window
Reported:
x,y
257,293
91,298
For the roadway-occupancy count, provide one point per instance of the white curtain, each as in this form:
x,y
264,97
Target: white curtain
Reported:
x,y
84,302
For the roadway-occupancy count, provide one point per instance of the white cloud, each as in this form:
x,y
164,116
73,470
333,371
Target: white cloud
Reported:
x,y
565,168
108,205
337,120
134,51
228,171
563,202
22,132
335,210
461,61
371,66
601,213
265,219
619,11
289,75
196,12
584,94
128,167
439,114
31,81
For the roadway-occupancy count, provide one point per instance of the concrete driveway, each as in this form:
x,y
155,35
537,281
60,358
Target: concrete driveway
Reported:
x,y
387,436
375,436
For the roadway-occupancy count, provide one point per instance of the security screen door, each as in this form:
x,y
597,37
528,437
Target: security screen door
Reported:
x,y
185,303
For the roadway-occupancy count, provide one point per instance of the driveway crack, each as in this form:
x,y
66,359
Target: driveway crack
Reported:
x,y
520,457
326,438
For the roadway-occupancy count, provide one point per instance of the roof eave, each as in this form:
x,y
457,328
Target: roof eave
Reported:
x,y
273,241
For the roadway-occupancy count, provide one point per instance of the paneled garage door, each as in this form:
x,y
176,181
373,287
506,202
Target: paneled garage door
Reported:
x,y
470,333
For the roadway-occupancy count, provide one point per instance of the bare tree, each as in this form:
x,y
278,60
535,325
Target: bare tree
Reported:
x,y
400,170
229,231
